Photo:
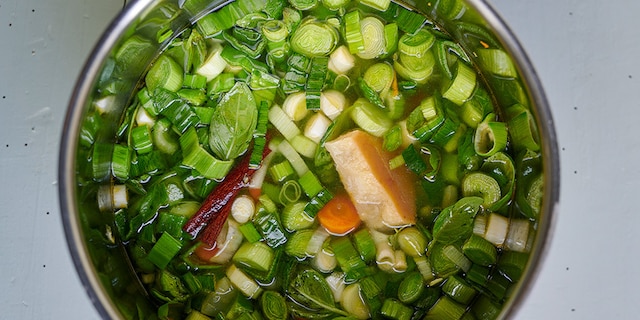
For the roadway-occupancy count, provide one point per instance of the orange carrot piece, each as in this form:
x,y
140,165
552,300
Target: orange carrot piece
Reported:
x,y
339,215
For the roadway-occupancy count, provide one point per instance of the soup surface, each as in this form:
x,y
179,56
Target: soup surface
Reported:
x,y
307,160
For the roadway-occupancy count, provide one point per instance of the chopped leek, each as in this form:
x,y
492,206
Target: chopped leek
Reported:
x,y
164,250
491,136
165,73
242,282
373,44
370,118
353,34
341,60
379,77
197,157
462,85
314,39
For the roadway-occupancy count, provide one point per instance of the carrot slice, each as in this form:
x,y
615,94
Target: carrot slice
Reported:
x,y
339,215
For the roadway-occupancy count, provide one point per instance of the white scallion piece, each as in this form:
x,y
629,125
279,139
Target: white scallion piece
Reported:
x,y
229,240
341,60
336,282
242,282
518,235
353,303
332,102
295,106
105,104
214,64
324,261
243,208
497,227
143,118
316,127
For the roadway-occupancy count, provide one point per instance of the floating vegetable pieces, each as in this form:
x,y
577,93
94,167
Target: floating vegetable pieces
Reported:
x,y
317,160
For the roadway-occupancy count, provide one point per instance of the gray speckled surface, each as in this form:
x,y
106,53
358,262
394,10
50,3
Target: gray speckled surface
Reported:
x,y
586,55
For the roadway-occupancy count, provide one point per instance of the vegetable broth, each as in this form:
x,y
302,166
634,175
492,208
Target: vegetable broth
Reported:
x,y
262,120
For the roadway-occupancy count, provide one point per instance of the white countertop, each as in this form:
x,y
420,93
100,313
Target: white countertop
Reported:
x,y
586,54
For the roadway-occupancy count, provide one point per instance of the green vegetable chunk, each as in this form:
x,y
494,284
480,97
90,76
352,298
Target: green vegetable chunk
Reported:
x,y
233,123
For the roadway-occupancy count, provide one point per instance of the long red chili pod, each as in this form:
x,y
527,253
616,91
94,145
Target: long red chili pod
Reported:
x,y
212,210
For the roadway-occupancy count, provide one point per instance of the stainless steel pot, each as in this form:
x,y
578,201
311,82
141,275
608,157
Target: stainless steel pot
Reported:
x,y
104,271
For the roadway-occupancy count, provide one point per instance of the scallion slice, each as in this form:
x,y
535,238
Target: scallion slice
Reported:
x,y
491,136
314,39
352,32
164,250
198,158
462,85
373,40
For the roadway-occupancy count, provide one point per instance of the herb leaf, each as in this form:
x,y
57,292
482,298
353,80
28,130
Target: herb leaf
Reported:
x,y
233,123
311,298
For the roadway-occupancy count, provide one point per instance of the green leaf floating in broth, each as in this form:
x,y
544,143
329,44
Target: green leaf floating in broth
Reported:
x,y
455,222
310,297
233,122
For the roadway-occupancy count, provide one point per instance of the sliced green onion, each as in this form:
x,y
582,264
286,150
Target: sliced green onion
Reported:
x,y
290,192
242,282
220,84
523,128
370,118
250,232
318,202
335,5
194,81
264,86
497,227
365,245
256,255
458,289
317,126
518,236
394,309
353,34
411,288
298,242
445,308
293,156
242,208
194,96
462,85
491,136
314,39
513,263
348,258
269,226
341,60
459,259
163,137
412,241
480,251
424,266
496,61
213,65
281,171
303,4
380,5
164,250
294,218
315,82
164,73
353,302
483,185
283,123
310,184
379,77
485,308
372,31
198,158
392,138
416,44
273,306
121,162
